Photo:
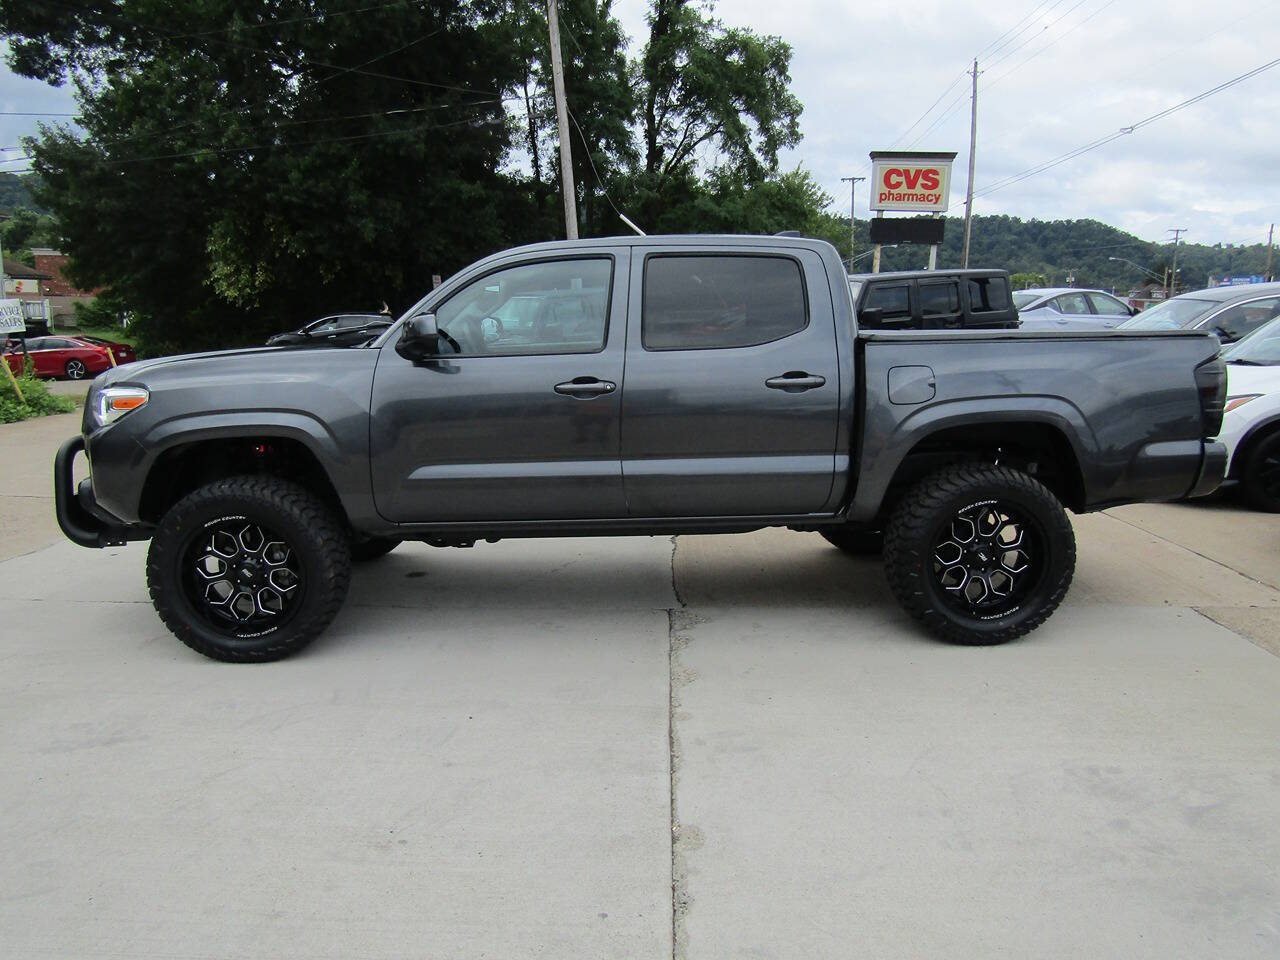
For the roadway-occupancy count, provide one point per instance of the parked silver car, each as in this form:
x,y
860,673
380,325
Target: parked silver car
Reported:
x,y
1069,308
1230,312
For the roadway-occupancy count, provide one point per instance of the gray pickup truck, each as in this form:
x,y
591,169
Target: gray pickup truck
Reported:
x,y
640,385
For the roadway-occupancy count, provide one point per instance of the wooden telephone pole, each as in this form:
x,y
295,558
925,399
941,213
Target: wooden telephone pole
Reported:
x,y
973,146
562,121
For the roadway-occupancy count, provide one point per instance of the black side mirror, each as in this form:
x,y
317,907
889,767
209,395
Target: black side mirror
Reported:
x,y
871,317
420,339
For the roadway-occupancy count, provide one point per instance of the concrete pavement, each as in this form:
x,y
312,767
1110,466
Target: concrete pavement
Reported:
x,y
596,748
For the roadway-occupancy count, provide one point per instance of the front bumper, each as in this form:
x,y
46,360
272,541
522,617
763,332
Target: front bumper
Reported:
x,y
81,519
1213,468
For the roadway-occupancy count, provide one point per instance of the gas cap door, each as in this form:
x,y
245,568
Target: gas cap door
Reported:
x,y
913,384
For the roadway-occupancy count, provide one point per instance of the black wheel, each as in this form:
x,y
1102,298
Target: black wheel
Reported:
x,y
1260,475
248,568
76,369
364,549
856,542
979,554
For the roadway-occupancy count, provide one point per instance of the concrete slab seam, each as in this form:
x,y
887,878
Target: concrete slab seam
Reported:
x,y
1179,546
1238,633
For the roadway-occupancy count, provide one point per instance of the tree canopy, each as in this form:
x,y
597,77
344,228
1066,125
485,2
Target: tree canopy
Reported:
x,y
241,166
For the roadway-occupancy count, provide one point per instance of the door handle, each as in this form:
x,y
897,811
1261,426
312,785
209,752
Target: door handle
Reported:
x,y
585,387
794,381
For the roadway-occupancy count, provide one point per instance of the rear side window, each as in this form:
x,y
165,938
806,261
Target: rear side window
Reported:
x,y
987,294
719,302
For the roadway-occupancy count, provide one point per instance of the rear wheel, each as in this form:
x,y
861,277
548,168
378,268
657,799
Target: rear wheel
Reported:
x,y
979,554
1260,475
248,568
76,370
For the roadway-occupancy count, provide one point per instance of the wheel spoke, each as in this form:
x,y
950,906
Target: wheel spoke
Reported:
x,y
984,558
242,575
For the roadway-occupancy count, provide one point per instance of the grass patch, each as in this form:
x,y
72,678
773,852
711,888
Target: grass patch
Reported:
x,y
39,401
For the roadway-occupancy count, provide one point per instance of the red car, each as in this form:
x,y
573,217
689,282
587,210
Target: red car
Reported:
x,y
121,351
59,357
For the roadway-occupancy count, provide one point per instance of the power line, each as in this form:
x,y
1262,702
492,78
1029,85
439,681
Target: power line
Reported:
x,y
280,23
1036,36
995,44
1123,131
23,113
1018,66
273,53
201,151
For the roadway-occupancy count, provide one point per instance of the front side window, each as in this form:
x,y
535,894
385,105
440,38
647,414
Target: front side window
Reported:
x,y
719,302
893,300
1108,305
1241,320
560,306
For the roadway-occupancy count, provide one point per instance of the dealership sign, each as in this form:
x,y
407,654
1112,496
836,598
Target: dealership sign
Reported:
x,y
901,180
12,317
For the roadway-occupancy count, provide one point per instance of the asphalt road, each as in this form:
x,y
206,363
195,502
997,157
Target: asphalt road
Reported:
x,y
707,748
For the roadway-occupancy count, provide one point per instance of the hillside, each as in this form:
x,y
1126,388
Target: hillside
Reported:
x,y
14,193
1079,248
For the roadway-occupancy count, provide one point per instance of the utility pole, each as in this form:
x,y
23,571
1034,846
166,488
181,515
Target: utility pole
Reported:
x,y
1173,270
1270,234
562,121
853,215
973,144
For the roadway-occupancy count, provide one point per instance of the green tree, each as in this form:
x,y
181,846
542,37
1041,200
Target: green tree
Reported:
x,y
707,88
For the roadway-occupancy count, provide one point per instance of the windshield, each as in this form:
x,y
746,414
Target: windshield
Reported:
x,y
1171,315
854,287
1021,298
1261,348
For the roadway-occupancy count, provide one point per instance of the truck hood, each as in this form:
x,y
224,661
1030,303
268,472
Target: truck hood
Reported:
x,y
135,372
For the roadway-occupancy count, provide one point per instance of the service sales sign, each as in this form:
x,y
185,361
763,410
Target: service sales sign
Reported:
x,y
899,183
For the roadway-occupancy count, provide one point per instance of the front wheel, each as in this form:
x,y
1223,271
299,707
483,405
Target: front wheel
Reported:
x,y
248,569
979,554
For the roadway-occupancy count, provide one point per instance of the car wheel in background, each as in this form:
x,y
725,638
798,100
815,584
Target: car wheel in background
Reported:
x,y
364,549
1260,475
979,554
249,568
76,369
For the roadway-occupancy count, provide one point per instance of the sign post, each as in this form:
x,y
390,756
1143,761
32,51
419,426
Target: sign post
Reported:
x,y
907,180
12,320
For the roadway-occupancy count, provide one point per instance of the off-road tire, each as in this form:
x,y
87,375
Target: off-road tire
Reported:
x,y
364,549
921,516
855,542
306,524
1253,484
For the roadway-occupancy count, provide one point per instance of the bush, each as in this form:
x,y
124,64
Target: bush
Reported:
x,y
39,401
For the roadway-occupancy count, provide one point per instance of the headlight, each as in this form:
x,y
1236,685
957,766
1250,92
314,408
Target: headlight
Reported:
x,y
114,402
1240,401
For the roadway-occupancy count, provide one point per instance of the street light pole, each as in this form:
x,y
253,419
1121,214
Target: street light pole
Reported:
x,y
853,213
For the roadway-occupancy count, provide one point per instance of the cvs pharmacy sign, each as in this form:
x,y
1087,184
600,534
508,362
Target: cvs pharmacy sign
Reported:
x,y
910,181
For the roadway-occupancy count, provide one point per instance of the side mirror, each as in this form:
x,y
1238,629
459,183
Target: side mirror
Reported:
x,y
420,339
872,317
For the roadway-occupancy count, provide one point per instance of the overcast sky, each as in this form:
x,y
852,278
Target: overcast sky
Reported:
x,y
1071,73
